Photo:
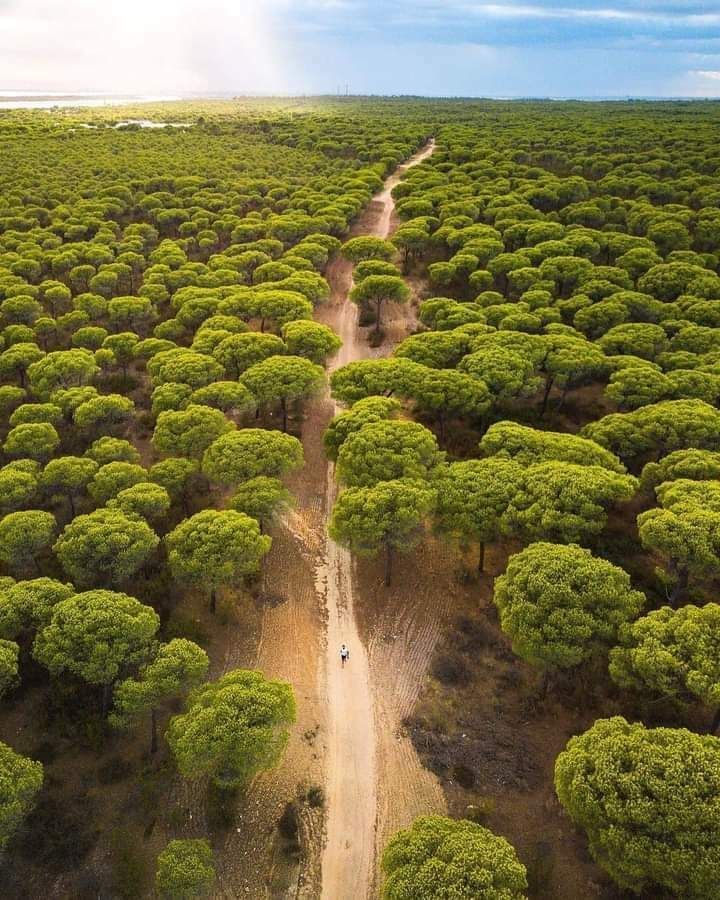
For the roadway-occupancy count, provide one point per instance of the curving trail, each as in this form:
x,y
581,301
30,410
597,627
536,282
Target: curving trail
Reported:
x,y
359,707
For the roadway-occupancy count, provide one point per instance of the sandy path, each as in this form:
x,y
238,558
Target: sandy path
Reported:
x,y
356,755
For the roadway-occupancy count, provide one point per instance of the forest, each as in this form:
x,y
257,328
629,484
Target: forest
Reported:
x,y
437,380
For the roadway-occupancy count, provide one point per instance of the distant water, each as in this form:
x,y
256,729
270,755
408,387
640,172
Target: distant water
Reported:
x,y
48,100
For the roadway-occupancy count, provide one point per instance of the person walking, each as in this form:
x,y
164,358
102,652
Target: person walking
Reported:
x,y
344,654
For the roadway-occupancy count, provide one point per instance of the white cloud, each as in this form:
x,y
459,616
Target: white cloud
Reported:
x,y
141,46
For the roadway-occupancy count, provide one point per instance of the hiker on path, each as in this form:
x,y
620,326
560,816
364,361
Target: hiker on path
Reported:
x,y
344,654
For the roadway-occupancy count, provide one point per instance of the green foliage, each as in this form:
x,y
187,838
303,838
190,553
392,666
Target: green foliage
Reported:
x,y
559,604
109,449
364,412
698,465
9,669
28,605
527,446
189,432
232,728
177,667
282,379
262,498
244,454
215,547
376,290
565,502
224,395
69,476
34,440
311,340
386,451
367,247
238,352
114,477
96,636
146,500
647,798
388,516
185,870
473,496
20,781
24,535
660,427
439,857
675,653
104,547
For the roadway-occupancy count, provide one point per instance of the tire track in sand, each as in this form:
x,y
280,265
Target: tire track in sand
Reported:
x,y
356,749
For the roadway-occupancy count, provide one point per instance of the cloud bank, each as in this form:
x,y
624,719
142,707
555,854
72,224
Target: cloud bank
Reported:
x,y
437,47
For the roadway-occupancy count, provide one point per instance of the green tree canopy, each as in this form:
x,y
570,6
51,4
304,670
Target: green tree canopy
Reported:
x,y
647,798
366,247
215,547
239,455
688,538
282,379
372,377
444,394
238,352
559,604
114,477
660,427
20,780
38,440
68,476
9,666
387,516
97,636
386,451
28,605
232,728
177,667
310,340
472,497
104,547
378,289
672,652
185,870
189,432
698,465
564,502
262,498
364,412
527,446
24,535
438,858
146,499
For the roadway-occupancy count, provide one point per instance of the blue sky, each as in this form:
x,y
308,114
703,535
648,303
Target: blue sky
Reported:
x,y
433,47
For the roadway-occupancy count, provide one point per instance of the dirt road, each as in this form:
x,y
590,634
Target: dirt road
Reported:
x,y
354,705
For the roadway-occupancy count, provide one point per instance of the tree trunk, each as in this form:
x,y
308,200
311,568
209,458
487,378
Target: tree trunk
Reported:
x,y
441,427
283,406
105,699
213,601
378,304
153,732
546,396
72,505
715,724
562,399
388,563
679,592
481,559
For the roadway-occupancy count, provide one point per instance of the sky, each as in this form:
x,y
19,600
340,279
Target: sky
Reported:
x,y
581,48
